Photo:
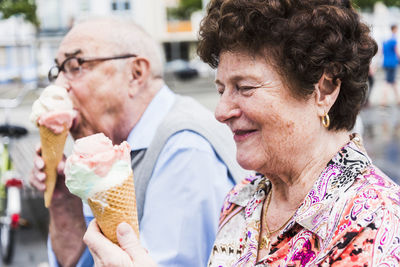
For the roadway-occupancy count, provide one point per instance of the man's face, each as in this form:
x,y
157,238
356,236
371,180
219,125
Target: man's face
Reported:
x,y
100,92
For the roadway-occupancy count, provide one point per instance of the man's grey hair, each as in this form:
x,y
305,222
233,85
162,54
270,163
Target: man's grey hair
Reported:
x,y
125,36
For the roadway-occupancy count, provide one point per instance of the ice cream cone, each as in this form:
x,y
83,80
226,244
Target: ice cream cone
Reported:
x,y
115,205
52,153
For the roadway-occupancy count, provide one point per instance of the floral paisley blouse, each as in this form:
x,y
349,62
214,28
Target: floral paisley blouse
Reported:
x,y
351,217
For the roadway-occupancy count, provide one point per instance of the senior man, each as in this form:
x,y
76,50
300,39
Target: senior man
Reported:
x,y
183,162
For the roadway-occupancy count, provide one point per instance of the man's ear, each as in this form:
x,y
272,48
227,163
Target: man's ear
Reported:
x,y
326,93
140,73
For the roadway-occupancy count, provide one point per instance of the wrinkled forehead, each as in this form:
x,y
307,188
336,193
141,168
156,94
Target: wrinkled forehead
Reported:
x,y
84,42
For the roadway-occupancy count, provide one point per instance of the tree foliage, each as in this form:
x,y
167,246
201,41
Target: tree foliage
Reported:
x,y
369,4
184,9
26,8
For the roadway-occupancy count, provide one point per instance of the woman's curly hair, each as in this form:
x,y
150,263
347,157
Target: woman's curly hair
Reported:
x,y
304,38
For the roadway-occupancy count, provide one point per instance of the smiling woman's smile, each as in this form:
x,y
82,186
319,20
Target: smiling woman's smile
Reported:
x,y
242,135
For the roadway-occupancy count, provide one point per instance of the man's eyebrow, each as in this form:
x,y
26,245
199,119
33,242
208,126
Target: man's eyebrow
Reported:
x,y
76,52
67,55
218,82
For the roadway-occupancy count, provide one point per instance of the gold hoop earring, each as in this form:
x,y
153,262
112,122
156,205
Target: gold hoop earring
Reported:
x,y
325,120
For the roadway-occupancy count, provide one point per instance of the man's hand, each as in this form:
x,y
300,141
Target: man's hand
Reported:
x,y
67,223
106,253
38,176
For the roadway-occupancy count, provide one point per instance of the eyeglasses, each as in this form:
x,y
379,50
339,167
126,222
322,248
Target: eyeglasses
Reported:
x,y
72,66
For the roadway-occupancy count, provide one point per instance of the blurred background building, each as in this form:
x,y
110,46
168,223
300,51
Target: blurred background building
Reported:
x,y
27,52
18,46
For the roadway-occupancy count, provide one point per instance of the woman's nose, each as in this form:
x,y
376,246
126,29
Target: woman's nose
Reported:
x,y
227,109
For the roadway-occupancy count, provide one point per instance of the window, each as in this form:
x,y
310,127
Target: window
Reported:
x,y
3,57
85,5
120,5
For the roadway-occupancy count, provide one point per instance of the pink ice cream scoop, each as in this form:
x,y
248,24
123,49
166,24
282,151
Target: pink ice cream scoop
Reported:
x,y
53,109
96,165
98,153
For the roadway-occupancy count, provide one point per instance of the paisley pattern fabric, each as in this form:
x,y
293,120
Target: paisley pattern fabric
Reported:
x,y
351,217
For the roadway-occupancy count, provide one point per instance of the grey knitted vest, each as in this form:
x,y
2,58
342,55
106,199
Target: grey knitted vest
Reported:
x,y
186,114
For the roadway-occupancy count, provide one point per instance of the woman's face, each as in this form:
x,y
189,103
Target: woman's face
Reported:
x,y
271,127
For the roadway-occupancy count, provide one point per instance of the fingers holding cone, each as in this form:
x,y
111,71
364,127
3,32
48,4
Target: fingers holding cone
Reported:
x,y
115,205
106,253
37,178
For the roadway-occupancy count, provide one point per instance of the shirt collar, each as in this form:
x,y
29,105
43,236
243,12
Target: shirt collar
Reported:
x,y
142,134
339,174
251,188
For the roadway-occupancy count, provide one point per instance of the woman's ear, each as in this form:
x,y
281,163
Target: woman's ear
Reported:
x,y
326,93
140,72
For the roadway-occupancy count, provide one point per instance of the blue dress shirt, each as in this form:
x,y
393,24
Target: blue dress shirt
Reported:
x,y
184,195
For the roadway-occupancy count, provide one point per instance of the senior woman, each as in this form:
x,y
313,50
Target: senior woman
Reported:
x,y
292,79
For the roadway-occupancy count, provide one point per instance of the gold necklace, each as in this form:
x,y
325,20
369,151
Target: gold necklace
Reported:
x,y
266,239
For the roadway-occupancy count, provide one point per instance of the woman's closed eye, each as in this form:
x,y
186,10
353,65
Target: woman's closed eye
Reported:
x,y
246,89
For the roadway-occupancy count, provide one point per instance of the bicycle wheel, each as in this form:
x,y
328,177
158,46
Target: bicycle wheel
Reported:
x,y
7,242
9,223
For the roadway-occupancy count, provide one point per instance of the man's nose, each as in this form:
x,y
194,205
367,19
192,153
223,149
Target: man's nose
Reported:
x,y
227,108
63,81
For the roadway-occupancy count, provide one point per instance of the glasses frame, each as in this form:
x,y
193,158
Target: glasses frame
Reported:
x,y
81,60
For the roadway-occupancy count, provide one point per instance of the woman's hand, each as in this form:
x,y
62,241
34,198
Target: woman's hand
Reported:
x,y
106,253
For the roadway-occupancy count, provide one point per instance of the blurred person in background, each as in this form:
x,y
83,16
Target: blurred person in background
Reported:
x,y
292,76
113,73
390,62
371,81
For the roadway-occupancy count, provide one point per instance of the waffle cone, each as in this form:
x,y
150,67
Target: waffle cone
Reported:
x,y
115,205
52,153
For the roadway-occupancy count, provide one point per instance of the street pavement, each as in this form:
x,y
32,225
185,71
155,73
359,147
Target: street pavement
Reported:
x,y
380,131
381,128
